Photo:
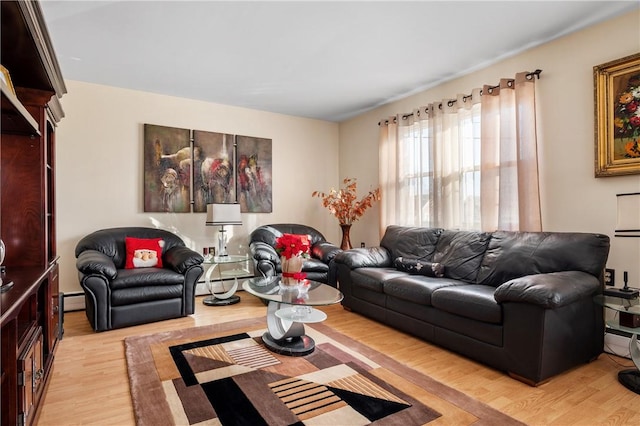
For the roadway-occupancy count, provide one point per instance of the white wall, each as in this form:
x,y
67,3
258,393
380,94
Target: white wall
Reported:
x,y
99,152
572,199
99,169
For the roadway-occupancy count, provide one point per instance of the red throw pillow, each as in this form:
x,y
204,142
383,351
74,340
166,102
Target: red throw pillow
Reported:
x,y
143,252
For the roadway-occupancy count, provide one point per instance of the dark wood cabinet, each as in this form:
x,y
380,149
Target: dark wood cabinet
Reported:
x,y
30,314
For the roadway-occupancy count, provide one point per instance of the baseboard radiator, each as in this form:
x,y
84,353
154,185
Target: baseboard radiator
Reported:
x,y
617,343
73,301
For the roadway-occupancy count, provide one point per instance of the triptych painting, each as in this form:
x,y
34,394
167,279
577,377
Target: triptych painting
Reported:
x,y
184,170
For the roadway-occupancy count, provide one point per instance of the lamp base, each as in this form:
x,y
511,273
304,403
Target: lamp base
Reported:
x,y
630,379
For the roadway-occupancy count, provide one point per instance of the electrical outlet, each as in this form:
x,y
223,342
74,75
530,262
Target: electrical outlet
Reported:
x,y
610,277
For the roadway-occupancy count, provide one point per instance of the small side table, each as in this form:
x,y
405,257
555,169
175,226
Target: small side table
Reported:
x,y
227,297
629,378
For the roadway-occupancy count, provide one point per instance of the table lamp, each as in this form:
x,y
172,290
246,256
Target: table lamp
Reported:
x,y
628,223
223,214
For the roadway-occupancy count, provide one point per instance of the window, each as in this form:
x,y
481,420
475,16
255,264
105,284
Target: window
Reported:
x,y
464,163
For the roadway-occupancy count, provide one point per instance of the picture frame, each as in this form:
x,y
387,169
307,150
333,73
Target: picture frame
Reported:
x,y
617,117
5,77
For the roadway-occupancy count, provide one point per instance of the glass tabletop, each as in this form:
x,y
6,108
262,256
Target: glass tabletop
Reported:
x,y
218,260
308,293
631,306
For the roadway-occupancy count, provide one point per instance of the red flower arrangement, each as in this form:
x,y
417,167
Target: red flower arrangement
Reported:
x,y
292,249
290,245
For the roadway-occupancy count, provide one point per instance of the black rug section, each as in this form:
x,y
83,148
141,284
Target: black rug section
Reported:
x,y
181,363
231,404
370,407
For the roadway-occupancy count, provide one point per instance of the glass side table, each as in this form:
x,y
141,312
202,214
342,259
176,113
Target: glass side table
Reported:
x,y
227,297
629,378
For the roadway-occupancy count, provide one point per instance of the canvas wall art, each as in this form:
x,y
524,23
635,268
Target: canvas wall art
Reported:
x,y
184,170
167,169
254,172
213,169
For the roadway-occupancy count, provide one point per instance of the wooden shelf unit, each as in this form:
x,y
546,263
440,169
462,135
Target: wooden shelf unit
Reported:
x,y
30,317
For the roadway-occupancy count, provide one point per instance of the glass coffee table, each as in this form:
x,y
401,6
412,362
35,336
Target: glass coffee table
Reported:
x,y
288,309
629,378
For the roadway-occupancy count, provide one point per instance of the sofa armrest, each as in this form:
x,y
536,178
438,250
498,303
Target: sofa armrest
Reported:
x,y
95,262
265,258
550,290
263,251
325,251
181,258
368,257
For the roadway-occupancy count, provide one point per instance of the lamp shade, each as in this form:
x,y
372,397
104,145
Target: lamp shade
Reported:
x,y
223,214
628,222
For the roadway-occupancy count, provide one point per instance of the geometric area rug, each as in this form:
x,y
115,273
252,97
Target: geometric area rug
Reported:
x,y
223,375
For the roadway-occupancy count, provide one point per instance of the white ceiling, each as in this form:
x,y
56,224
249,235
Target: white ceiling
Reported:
x,y
328,60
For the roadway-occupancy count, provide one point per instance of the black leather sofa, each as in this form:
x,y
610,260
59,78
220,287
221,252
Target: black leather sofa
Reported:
x,y
262,242
117,297
519,302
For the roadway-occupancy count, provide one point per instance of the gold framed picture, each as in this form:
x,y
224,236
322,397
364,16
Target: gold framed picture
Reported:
x,y
6,79
617,117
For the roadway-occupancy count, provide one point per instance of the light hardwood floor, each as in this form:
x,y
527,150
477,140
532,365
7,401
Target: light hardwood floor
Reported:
x,y
89,382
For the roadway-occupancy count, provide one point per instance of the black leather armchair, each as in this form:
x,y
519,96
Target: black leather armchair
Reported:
x,y
262,242
116,297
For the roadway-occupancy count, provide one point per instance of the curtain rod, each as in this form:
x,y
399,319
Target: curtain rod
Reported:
x,y
528,76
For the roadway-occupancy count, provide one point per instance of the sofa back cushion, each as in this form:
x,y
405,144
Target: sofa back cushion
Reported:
x,y
111,241
269,233
516,254
461,253
410,242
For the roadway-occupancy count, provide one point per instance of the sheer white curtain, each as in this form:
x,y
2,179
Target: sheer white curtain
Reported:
x,y
510,188
387,171
464,163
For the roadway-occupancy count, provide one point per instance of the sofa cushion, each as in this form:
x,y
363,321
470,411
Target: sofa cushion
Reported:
x,y
143,277
415,288
516,254
373,278
461,253
419,267
143,252
128,296
407,241
471,301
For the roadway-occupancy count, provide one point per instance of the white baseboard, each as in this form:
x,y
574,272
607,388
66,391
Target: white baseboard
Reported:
x,y
74,301
201,289
218,287
617,345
